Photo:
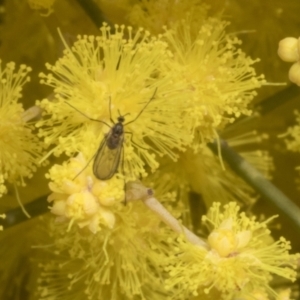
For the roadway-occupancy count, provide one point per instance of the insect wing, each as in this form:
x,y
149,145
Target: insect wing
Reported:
x,y
107,160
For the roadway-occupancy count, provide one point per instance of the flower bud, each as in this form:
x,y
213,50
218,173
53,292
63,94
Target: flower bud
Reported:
x,y
294,73
289,49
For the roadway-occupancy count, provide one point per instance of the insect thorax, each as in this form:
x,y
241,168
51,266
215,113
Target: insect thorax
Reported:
x,y
115,136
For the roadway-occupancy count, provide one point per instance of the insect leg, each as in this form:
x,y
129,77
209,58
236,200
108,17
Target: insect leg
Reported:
x,y
134,143
110,110
85,166
123,171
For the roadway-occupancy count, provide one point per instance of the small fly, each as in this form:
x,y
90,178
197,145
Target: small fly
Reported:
x,y
108,156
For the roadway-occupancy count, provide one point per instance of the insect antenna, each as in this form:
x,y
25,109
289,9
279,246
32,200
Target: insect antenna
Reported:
x,y
123,170
91,119
110,110
131,134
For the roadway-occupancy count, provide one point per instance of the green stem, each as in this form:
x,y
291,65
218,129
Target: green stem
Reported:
x,y
93,11
278,99
258,182
35,208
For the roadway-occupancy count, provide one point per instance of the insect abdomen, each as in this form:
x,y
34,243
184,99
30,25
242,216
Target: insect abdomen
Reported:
x,y
108,157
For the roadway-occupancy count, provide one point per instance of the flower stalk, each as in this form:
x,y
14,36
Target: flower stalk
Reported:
x,y
138,191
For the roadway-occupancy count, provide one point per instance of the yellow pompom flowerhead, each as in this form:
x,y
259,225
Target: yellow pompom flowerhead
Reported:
x,y
219,77
242,257
107,76
122,262
20,149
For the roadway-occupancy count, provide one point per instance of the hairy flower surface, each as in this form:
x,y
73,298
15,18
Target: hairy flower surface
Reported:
x,y
219,77
20,149
242,257
101,78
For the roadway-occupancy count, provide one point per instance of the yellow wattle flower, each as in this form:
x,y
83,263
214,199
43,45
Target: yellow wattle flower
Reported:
x,y
115,263
103,77
20,148
225,241
242,258
219,77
